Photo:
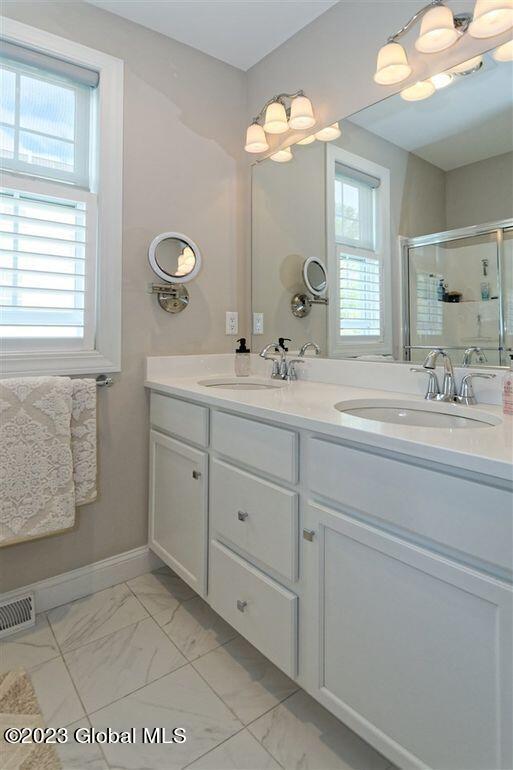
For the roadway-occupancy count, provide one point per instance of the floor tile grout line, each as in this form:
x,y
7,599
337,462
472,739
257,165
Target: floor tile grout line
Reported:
x,y
68,671
213,748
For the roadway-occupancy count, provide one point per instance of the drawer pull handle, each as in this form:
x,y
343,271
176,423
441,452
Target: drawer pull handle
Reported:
x,y
308,534
196,475
242,515
241,605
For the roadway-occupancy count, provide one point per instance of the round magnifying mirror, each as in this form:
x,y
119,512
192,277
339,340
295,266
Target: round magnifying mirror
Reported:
x,y
314,276
174,257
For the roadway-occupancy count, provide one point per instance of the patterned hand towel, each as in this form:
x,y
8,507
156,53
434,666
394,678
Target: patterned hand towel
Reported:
x,y
47,454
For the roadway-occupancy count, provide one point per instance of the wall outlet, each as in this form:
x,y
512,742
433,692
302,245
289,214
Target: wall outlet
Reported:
x,y
232,322
258,323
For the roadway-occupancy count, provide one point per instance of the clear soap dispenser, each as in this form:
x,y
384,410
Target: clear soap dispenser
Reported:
x,y
242,359
507,390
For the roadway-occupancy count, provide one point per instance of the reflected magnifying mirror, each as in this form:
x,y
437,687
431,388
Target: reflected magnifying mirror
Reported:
x,y
315,279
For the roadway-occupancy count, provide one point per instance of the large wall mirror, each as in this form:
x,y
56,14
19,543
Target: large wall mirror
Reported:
x,y
410,211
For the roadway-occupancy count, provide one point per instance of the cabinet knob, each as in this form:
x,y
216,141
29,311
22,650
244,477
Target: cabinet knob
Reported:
x,y
196,475
308,534
242,515
241,605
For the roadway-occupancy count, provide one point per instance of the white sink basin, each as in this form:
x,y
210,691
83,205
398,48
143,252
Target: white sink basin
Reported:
x,y
427,414
240,383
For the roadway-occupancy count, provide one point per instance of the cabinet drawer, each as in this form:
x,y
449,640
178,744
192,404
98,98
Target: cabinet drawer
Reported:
x,y
262,611
470,518
182,419
255,515
264,447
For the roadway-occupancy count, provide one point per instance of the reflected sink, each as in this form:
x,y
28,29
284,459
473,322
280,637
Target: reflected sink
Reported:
x,y
240,383
427,414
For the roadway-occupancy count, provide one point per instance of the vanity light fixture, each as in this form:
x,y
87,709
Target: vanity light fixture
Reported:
x,y
418,91
468,67
255,139
491,17
278,115
329,133
440,29
282,156
504,52
437,30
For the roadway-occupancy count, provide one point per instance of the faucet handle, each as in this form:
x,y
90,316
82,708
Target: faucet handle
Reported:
x,y
466,394
433,388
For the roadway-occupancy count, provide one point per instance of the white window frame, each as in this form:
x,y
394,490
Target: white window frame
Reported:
x,y
107,186
363,345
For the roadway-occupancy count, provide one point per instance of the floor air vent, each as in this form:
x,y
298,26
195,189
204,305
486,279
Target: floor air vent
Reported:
x,y
17,614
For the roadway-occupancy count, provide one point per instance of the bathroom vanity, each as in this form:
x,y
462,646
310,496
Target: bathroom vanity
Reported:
x,y
370,562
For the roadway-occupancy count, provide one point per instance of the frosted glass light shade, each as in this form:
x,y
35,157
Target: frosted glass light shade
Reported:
x,y
392,65
329,133
491,17
504,52
307,140
282,156
437,31
276,119
467,66
421,90
255,139
442,80
301,114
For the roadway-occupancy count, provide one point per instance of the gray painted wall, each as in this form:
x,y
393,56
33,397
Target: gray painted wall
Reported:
x,y
480,192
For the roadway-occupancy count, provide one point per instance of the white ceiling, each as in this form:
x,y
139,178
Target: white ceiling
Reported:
x,y
239,32
470,120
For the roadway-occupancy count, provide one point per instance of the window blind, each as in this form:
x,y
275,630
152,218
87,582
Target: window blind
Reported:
x,y
42,266
360,296
430,311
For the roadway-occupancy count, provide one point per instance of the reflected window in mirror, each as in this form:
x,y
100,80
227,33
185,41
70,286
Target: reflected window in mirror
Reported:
x,y
359,264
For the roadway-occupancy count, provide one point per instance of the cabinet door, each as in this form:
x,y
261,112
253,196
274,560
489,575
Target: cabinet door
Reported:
x,y
410,650
178,508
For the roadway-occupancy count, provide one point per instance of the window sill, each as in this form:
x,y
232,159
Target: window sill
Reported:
x,y
57,363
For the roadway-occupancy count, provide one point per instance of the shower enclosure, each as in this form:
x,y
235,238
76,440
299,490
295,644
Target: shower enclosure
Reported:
x,y
459,293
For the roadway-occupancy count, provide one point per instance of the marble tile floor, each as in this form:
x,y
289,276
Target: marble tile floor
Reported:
x,y
150,653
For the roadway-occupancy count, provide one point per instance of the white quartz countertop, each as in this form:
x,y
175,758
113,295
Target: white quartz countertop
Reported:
x,y
308,405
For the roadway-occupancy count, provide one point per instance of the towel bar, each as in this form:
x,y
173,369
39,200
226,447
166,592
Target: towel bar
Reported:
x,y
102,381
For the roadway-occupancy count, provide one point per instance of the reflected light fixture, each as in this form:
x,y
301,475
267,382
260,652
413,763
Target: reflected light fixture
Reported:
x,y
418,91
504,52
491,17
277,116
392,65
442,80
255,139
469,66
282,156
329,133
307,140
437,30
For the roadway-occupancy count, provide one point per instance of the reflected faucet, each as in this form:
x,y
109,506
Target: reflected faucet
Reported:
x,y
449,387
470,352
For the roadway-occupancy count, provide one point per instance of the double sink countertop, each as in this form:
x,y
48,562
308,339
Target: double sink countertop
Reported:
x,y
486,450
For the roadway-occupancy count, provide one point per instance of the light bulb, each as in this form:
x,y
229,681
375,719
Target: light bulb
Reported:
x,y
301,114
392,65
491,17
307,140
470,65
437,30
255,139
442,80
421,90
282,156
275,119
504,52
329,133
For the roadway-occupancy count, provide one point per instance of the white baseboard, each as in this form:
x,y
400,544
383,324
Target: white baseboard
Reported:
x,y
84,581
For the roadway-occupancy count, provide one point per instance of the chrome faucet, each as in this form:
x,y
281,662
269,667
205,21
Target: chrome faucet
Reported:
x,y
305,347
278,366
449,386
469,353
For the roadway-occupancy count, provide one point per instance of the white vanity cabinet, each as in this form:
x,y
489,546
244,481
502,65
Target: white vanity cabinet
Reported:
x,y
380,582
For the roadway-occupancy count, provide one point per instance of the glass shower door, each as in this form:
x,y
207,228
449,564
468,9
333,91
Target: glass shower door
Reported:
x,y
454,297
